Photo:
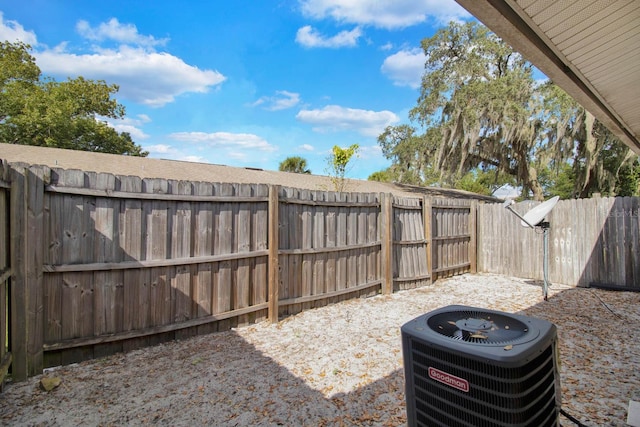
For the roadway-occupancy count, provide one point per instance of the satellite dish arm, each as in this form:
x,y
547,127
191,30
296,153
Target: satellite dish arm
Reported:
x,y
507,204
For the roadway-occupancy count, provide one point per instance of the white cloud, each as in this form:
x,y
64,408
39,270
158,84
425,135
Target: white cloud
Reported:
x,y
237,155
145,77
131,125
114,30
387,46
405,68
370,152
12,31
165,151
384,13
280,101
309,37
135,132
225,139
193,159
160,149
334,118
306,147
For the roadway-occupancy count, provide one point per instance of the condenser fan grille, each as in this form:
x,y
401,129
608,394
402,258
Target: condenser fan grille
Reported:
x,y
478,327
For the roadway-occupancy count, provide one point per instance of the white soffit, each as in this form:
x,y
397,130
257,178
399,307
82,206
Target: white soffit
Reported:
x,y
590,48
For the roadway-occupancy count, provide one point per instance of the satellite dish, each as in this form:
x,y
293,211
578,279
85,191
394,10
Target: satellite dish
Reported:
x,y
535,218
537,214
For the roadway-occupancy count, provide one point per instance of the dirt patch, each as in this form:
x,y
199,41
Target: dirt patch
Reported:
x,y
336,365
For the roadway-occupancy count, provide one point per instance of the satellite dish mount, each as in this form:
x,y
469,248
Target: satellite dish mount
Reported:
x,y
535,219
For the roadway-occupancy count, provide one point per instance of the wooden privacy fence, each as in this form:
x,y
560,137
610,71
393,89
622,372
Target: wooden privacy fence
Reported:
x,y
592,242
101,263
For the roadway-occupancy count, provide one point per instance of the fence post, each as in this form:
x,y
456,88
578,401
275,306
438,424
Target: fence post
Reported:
x,y
19,331
386,211
5,272
34,275
473,241
27,311
426,217
274,245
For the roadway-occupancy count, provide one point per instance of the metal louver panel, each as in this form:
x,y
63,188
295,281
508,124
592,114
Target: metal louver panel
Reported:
x,y
457,383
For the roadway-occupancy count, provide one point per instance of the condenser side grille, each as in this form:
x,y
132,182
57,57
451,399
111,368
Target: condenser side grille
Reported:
x,y
497,395
489,377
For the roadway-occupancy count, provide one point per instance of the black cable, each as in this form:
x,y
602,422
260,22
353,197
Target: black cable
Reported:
x,y
606,306
574,420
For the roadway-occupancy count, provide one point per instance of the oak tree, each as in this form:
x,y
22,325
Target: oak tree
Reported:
x,y
37,110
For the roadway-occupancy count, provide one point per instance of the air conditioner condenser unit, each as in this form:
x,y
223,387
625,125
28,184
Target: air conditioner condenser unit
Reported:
x,y
467,366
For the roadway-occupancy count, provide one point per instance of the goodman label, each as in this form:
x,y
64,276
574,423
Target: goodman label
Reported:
x,y
448,379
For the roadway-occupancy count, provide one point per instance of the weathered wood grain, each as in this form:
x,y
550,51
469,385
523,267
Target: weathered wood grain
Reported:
x,y
128,262
591,242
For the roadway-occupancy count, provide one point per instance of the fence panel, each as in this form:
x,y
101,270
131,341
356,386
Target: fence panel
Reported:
x,y
410,244
453,237
111,263
131,262
591,242
329,247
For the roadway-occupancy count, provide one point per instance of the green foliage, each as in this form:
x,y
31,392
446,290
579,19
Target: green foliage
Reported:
x,y
477,93
629,180
42,112
558,181
409,153
469,182
337,164
483,181
384,175
295,164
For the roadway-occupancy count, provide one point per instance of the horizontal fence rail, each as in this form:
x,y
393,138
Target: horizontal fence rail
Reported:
x,y
103,263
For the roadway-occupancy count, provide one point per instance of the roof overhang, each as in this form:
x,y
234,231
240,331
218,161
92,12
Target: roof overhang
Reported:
x,y
591,49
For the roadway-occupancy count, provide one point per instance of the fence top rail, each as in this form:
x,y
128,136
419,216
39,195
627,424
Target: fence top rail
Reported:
x,y
406,207
437,206
153,196
328,203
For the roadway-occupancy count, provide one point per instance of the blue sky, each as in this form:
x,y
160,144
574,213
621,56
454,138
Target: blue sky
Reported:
x,y
243,83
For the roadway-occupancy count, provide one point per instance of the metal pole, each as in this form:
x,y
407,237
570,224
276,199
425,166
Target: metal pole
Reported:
x,y
545,228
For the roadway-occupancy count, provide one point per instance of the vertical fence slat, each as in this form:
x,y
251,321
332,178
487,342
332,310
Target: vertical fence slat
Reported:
x,y
203,246
135,302
273,242
107,284
386,253
427,212
473,232
243,232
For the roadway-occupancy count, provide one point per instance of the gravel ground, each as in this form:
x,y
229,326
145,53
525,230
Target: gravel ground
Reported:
x,y
336,365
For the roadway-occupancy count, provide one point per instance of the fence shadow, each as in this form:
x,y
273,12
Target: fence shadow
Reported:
x,y
219,380
598,333
592,242
614,262
224,379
